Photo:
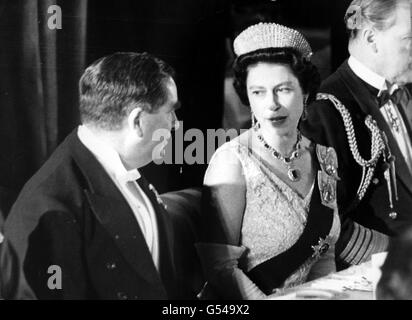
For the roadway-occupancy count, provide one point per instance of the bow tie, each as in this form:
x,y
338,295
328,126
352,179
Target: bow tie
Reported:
x,y
396,96
129,176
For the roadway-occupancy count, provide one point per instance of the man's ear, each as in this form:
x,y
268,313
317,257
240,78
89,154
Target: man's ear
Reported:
x,y
369,36
134,120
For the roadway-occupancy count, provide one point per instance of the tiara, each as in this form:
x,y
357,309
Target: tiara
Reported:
x,y
270,35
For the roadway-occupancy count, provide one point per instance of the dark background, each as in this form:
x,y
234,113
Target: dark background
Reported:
x,y
40,68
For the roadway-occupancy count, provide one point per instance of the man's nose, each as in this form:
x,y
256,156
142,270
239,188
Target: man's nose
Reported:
x,y
175,122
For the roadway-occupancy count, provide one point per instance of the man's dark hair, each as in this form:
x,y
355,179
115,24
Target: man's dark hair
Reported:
x,y
112,86
306,73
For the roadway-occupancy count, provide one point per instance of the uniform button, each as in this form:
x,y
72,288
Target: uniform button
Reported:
x,y
122,296
117,237
393,215
111,265
375,181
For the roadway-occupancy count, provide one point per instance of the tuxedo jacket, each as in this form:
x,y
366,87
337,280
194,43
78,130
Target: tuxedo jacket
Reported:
x,y
71,218
367,224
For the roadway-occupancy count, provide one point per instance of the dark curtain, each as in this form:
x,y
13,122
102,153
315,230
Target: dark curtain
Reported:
x,y
39,71
189,35
339,35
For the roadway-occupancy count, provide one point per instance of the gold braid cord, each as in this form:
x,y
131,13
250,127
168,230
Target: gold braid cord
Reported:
x,y
377,145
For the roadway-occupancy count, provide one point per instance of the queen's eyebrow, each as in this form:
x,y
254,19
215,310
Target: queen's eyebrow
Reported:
x,y
277,86
256,87
289,83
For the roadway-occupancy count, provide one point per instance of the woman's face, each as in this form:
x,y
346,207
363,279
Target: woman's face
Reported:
x,y
275,96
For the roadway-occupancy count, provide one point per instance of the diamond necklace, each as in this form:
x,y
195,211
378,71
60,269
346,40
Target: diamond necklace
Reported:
x,y
293,173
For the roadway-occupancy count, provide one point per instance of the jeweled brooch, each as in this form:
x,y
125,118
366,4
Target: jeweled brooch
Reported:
x,y
321,248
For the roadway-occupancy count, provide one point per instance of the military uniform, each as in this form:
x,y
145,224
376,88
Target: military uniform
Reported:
x,y
371,210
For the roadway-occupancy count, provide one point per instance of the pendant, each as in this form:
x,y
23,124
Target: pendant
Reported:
x,y
293,174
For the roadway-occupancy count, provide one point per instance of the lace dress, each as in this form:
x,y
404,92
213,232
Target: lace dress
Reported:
x,y
275,217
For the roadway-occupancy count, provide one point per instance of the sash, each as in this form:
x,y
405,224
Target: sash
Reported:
x,y
272,273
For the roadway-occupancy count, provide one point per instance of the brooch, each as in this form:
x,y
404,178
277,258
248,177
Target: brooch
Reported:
x,y
159,200
328,160
321,248
327,188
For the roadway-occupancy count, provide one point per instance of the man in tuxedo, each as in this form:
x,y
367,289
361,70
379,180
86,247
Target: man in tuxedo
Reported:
x,y
88,225
359,112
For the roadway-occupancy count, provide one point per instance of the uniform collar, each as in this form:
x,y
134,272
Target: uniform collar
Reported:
x,y
371,78
367,75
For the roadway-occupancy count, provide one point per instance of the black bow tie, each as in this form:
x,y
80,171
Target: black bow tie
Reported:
x,y
395,97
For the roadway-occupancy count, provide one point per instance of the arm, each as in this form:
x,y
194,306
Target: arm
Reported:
x,y
224,201
56,241
357,243
13,285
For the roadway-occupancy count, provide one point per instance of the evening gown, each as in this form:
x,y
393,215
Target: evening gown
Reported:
x,y
274,220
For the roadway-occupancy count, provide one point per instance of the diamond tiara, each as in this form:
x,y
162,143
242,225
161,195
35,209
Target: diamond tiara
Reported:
x,y
270,35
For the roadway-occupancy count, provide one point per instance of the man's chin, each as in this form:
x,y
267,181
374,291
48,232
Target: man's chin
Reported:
x,y
405,77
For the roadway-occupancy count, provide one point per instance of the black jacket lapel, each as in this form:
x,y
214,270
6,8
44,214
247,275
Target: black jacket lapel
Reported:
x,y
115,217
408,104
369,106
166,244
114,214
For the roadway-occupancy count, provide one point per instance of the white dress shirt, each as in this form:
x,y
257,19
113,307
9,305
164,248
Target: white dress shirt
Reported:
x,y
126,183
389,111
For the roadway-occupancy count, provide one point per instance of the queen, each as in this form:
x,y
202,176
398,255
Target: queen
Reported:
x,y
269,199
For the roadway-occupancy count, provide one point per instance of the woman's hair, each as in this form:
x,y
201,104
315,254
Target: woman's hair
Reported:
x,y
306,73
377,13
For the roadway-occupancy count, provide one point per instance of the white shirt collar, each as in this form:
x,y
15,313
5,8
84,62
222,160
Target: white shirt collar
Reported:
x,y
106,155
367,75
